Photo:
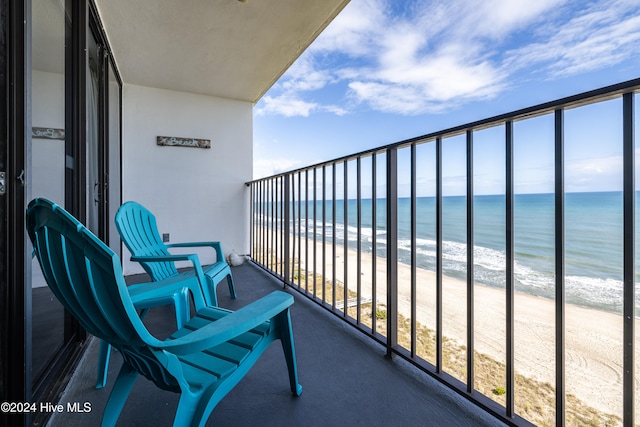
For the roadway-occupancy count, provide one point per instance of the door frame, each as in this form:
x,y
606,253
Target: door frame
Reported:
x,y
16,377
15,349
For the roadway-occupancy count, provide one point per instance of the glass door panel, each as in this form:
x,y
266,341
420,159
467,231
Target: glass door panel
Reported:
x,y
47,164
114,184
94,143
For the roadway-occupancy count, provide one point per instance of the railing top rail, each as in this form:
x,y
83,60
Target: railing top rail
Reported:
x,y
592,96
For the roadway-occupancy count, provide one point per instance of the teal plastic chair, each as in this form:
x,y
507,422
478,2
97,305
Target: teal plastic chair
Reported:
x,y
202,361
174,291
139,232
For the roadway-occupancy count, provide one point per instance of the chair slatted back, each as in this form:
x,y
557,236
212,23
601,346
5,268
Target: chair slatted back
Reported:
x,y
86,276
139,232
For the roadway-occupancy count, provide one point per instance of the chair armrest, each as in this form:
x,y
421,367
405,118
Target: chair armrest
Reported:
x,y
217,246
179,257
164,258
231,325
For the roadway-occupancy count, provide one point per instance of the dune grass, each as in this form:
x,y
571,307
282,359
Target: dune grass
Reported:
x,y
534,399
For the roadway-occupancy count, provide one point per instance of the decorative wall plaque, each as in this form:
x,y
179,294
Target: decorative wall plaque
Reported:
x,y
183,142
47,133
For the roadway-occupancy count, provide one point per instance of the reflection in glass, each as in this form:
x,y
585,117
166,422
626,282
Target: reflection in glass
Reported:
x,y
47,164
115,197
637,265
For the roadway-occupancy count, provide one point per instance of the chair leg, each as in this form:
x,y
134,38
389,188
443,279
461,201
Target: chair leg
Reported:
x,y
284,321
232,290
186,412
182,307
121,389
209,292
103,363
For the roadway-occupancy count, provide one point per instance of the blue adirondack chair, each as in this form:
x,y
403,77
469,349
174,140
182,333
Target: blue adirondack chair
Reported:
x,y
202,361
139,232
174,291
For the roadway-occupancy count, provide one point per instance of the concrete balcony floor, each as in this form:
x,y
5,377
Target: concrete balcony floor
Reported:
x,y
346,379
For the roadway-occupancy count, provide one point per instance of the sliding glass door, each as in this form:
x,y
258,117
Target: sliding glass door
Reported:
x,y
51,24
103,138
74,157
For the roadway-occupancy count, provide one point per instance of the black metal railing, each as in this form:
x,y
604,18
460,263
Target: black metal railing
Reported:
x,y
333,231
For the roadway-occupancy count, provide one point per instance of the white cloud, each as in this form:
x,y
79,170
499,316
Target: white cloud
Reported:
x,y
356,31
289,106
433,56
602,35
497,19
269,167
304,76
286,106
594,174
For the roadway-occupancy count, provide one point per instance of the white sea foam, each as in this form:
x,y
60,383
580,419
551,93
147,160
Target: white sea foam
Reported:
x,y
532,274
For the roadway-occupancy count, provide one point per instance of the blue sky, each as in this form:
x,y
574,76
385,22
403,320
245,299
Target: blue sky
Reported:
x,y
384,71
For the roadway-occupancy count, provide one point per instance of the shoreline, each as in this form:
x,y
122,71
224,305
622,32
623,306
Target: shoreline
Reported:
x,y
593,338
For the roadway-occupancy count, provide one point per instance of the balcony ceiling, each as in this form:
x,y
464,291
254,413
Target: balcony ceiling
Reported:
x,y
225,48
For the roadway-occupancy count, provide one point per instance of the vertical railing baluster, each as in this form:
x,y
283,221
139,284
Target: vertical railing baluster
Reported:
x,y
286,234
306,231
272,224
470,266
256,242
292,228
629,259
359,237
510,284
438,255
252,218
263,204
269,228
299,229
414,250
346,238
374,242
274,230
260,235
560,270
279,245
281,220
264,223
334,270
271,244
315,228
324,231
392,250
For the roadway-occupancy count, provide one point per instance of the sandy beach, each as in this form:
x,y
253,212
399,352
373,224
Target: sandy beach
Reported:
x,y
593,356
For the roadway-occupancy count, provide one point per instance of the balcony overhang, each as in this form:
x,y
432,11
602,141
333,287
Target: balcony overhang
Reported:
x,y
227,48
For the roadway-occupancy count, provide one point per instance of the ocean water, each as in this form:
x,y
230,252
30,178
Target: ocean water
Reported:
x,y
593,240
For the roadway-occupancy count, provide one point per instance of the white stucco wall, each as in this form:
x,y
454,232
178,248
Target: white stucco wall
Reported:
x,y
196,194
